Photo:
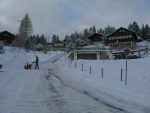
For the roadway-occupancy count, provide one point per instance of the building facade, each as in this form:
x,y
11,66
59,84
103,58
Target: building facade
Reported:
x,y
7,37
122,38
95,39
58,45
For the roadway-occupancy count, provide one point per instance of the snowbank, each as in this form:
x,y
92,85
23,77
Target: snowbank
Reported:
x,y
133,97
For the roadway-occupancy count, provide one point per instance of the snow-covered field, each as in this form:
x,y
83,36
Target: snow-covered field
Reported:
x,y
133,97
60,88
14,58
24,91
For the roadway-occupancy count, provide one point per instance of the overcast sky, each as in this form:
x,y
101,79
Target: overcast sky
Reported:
x,y
66,16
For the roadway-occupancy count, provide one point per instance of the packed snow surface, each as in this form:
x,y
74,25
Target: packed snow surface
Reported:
x,y
64,86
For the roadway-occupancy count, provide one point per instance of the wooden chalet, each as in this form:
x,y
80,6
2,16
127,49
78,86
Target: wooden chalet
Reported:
x,y
122,38
58,45
7,37
95,39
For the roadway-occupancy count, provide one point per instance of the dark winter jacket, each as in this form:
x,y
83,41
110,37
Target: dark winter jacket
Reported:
x,y
37,60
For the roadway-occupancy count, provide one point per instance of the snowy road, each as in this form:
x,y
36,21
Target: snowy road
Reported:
x,y
23,92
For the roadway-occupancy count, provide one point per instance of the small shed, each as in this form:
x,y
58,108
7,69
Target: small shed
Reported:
x,y
91,54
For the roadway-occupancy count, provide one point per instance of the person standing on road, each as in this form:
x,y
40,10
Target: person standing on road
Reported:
x,y
37,63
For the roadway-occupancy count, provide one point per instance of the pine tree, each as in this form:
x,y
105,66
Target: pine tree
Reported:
x,y
143,31
109,29
55,38
147,31
100,31
25,29
130,26
92,30
85,34
43,40
134,27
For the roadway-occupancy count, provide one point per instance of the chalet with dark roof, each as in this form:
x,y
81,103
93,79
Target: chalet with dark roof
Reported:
x,y
58,45
122,38
7,37
95,39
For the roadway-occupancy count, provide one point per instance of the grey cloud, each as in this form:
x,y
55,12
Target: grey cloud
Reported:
x,y
66,16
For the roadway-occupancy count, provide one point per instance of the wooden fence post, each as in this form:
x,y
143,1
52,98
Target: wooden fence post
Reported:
x,y
102,72
121,74
90,70
126,71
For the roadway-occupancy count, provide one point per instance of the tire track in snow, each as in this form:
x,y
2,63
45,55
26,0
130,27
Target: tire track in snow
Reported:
x,y
55,101
61,103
